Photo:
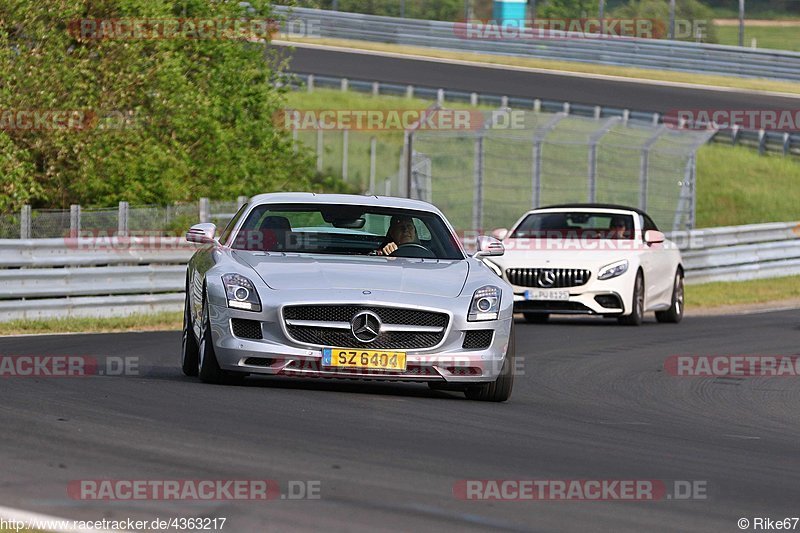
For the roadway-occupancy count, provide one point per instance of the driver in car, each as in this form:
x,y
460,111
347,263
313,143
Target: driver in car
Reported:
x,y
401,231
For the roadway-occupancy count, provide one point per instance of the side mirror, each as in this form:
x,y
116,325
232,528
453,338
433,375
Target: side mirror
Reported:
x,y
652,236
500,233
201,233
489,247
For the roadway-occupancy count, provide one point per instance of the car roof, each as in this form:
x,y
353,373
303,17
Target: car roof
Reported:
x,y
588,206
343,199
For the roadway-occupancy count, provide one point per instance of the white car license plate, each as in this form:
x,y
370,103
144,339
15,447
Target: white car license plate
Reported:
x,y
545,294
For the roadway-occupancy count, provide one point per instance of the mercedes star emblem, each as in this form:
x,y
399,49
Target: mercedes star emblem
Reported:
x,y
547,278
366,326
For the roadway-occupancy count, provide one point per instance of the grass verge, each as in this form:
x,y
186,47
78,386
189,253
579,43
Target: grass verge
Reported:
x,y
752,84
139,322
773,37
773,290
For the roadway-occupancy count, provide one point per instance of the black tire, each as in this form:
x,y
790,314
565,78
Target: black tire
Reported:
x,y
498,390
207,366
674,314
189,346
637,313
536,318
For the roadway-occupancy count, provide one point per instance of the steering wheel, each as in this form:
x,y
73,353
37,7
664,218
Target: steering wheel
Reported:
x,y
412,249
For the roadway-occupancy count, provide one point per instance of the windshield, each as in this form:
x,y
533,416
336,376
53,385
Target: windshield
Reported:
x,y
346,230
576,224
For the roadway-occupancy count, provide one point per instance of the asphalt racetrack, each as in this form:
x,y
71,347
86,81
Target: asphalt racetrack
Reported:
x,y
652,97
593,402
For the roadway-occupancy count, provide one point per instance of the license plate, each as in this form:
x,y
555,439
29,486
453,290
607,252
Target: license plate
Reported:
x,y
542,294
371,359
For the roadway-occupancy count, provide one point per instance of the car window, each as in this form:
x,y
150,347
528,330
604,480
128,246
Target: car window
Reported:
x,y
576,224
223,238
345,230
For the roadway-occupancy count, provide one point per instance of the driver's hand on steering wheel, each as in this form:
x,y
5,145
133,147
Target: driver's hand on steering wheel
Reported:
x,y
388,249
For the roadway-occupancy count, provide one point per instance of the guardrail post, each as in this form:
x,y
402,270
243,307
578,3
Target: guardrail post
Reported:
x,y
344,84
241,200
566,108
473,99
787,141
626,115
205,210
477,167
504,102
320,150
122,220
25,222
409,91
440,97
537,105
597,112
656,117
310,83
373,154
74,220
345,142
762,141
734,134
376,88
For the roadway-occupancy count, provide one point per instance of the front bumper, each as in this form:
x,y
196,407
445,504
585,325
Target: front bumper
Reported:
x,y
597,297
276,354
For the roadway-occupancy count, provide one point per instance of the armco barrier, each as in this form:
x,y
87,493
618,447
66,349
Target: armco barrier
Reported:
x,y
43,278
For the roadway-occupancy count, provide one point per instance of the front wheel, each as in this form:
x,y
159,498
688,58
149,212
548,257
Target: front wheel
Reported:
x,y
189,347
498,390
637,304
675,312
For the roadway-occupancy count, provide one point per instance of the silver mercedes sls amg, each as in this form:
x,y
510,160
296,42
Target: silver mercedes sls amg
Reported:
x,y
345,286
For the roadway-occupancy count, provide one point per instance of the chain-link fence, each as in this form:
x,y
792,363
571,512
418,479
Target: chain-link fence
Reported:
x,y
120,221
487,178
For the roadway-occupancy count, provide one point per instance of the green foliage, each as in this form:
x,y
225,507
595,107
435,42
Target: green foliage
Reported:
x,y
693,12
169,120
568,9
419,9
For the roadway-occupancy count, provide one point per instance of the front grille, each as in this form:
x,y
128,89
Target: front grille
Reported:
x,y
246,329
398,340
540,277
478,339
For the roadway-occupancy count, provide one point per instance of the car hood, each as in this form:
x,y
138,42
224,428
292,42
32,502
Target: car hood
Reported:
x,y
421,276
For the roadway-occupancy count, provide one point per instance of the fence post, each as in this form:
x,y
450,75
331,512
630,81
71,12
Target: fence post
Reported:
x,y
295,137
477,205
387,186
408,142
25,222
320,150
644,166
594,138
205,210
122,220
373,149
74,220
240,201
345,142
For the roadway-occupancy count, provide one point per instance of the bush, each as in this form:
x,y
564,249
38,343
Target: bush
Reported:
x,y
167,120
692,11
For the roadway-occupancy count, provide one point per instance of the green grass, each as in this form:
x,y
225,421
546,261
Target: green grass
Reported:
x,y
776,37
709,295
139,322
738,186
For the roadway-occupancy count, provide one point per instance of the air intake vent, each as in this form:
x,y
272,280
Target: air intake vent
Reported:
x,y
478,339
246,329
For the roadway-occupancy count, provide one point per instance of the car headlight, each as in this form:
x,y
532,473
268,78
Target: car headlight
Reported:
x,y
485,304
613,270
493,267
241,293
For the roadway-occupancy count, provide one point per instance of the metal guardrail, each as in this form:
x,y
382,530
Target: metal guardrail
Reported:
x,y
738,253
44,278
628,52
784,143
